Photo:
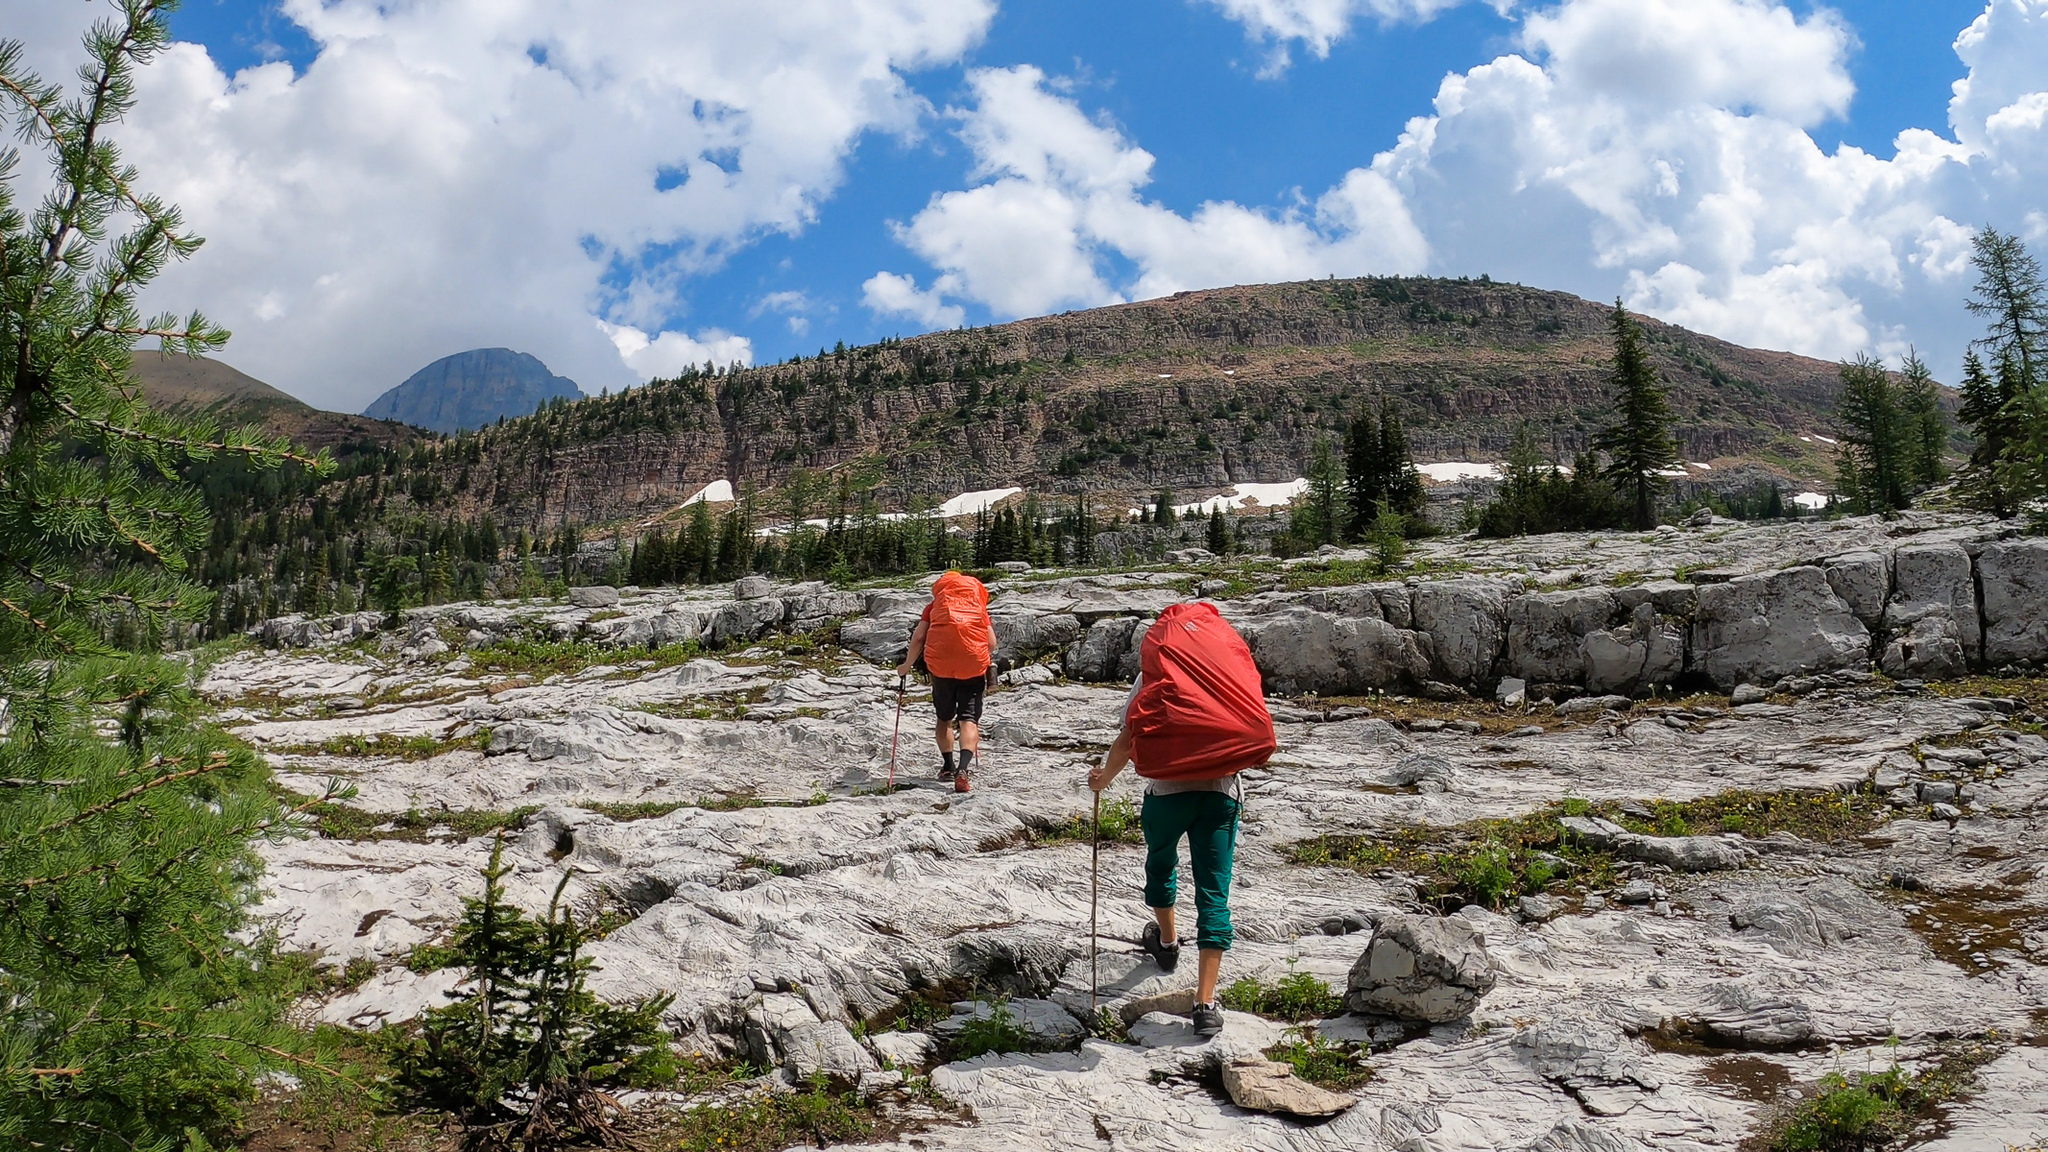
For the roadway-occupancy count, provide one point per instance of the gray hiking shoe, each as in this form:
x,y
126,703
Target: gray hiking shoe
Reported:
x,y
1164,954
1208,1019
946,769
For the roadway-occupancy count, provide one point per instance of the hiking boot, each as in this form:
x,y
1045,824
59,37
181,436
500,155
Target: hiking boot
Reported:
x,y
960,781
1207,1018
947,771
1166,955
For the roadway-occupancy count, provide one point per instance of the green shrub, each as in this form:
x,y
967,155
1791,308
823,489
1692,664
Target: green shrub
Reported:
x,y
1298,996
1120,825
525,1054
1846,1113
812,1118
1326,1065
996,1032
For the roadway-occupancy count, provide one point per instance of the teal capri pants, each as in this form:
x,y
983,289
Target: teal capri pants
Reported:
x,y
1209,821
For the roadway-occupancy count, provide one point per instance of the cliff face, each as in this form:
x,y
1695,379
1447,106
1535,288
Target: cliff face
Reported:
x,y
471,389
1196,392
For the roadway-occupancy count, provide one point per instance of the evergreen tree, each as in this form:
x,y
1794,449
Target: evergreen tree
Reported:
x,y
1318,516
1638,445
1365,475
1219,531
2011,293
134,1014
1990,413
2007,414
1403,483
1877,440
1162,507
1926,424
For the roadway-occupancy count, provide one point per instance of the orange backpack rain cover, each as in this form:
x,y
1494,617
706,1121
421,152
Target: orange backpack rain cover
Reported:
x,y
1201,712
957,644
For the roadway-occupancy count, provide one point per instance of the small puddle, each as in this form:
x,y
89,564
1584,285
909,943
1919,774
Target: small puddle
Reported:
x,y
1975,929
1749,1078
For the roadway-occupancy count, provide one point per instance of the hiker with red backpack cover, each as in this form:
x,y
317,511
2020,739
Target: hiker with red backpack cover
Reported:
x,y
1195,719
954,640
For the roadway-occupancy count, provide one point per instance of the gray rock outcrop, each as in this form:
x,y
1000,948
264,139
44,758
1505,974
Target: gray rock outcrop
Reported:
x,y
1421,968
1760,629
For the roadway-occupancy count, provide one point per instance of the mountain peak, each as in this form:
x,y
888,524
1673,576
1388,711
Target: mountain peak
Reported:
x,y
471,389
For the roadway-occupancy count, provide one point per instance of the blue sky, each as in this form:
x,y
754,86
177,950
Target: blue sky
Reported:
x,y
1132,147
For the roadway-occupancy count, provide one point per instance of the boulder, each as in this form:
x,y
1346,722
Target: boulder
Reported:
x,y
1127,664
1931,625
2014,578
1739,1013
594,596
1466,621
1099,655
1760,629
1302,650
1647,653
1022,635
782,1031
752,587
1546,632
1431,969
1864,581
905,1049
1928,648
746,620
1679,853
1261,1085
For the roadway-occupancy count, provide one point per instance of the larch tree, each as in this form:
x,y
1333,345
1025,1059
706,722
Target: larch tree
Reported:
x,y
1638,444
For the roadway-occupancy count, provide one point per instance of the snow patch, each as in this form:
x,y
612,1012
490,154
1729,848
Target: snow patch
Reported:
x,y
1811,501
968,503
716,492
1263,495
1451,470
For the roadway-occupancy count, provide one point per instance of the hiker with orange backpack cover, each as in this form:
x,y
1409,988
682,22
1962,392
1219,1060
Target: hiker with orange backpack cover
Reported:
x,y
955,639
1195,719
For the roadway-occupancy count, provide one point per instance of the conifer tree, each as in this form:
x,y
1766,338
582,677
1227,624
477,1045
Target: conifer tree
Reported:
x,y
2004,408
1365,474
1876,439
1219,531
1638,445
1926,423
1987,411
133,1014
1403,483
1318,516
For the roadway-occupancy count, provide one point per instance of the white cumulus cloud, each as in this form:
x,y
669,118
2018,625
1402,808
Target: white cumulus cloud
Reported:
x,y
1318,24
1662,151
890,294
448,174
1060,208
665,355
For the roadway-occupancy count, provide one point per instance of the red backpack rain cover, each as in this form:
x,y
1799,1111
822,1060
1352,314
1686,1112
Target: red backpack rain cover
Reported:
x,y
958,642
1201,712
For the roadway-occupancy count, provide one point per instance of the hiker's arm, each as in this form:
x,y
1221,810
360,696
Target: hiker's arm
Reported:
x,y
1113,764
916,648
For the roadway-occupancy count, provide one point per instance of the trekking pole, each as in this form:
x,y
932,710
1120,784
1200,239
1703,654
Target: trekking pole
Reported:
x,y
1094,893
898,737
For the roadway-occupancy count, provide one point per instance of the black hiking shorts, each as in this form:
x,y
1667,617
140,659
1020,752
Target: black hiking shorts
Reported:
x,y
958,699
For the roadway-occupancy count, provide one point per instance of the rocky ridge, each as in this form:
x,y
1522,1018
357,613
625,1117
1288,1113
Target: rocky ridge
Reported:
x,y
1197,392
784,898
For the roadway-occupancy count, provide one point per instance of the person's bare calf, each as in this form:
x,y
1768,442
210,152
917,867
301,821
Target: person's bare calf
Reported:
x,y
1208,963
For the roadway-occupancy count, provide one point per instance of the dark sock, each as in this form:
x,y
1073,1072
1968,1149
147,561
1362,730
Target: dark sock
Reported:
x,y
966,758
949,761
